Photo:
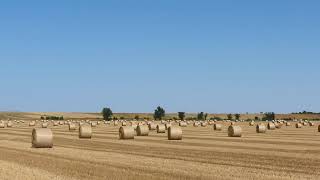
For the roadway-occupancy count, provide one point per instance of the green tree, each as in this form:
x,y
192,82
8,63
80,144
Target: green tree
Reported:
x,y
200,116
217,118
159,113
269,116
237,116
205,116
136,117
107,114
229,116
181,115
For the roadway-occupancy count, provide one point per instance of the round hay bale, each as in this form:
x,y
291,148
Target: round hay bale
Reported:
x,y
183,124
126,132
142,130
55,123
217,127
44,125
161,128
152,126
115,123
85,131
195,124
298,125
251,123
124,124
204,124
2,125
234,131
311,124
42,138
174,133
261,128
93,124
167,125
278,125
61,123
72,127
288,124
305,123
9,124
32,123
271,126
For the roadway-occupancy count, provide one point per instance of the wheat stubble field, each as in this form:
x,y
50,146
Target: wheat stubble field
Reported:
x,y
286,153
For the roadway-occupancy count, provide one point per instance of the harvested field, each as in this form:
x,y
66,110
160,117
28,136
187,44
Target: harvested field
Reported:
x,y
286,153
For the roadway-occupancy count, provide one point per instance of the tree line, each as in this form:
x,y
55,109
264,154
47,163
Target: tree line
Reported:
x,y
159,114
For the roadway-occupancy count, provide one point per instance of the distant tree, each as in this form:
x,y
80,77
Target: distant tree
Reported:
x,y
216,118
229,116
205,116
256,118
175,118
269,116
200,116
237,116
159,113
42,118
107,114
121,117
181,115
136,117
61,118
305,112
114,118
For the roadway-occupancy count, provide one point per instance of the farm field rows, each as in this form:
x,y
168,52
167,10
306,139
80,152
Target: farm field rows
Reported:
x,y
286,153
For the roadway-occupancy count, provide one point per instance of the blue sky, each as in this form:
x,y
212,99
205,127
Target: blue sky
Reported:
x,y
212,56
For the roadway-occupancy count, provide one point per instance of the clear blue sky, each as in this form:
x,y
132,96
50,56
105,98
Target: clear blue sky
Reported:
x,y
212,56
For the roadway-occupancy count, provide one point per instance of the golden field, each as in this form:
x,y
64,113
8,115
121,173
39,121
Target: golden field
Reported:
x,y
286,153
